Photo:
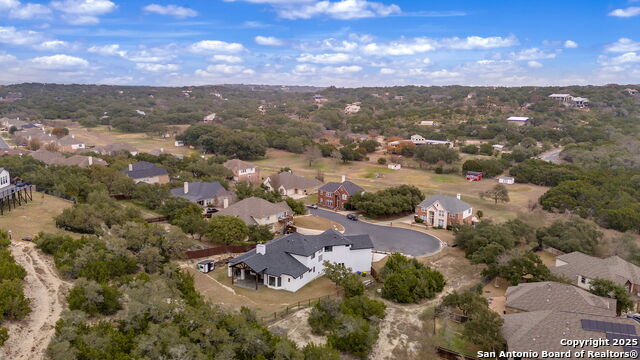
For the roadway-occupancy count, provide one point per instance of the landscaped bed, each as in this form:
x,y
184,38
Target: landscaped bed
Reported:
x,y
317,223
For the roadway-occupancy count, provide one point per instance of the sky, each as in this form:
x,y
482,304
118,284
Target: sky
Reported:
x,y
345,43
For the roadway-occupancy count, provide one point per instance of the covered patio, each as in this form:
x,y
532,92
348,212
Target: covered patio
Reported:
x,y
244,276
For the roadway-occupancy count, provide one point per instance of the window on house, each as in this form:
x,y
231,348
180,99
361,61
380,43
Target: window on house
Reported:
x,y
440,212
344,197
279,281
328,248
441,223
583,279
272,281
320,258
314,269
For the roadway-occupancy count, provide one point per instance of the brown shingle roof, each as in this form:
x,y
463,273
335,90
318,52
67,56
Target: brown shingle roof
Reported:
x,y
549,295
255,208
236,164
48,157
292,181
612,268
83,161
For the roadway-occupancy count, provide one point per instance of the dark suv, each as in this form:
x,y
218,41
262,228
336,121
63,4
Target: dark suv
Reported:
x,y
353,217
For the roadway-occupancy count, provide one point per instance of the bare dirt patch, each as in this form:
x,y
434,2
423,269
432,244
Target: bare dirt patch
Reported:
x,y
34,216
296,327
29,338
317,223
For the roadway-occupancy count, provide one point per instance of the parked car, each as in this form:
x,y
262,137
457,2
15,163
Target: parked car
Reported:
x,y
312,206
211,210
352,217
27,239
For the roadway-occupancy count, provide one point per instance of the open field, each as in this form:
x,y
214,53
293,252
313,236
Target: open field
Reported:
x,y
364,174
33,217
102,135
317,223
217,288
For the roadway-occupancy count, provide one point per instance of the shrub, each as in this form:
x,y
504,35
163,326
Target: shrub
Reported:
x,y
382,161
4,335
13,304
407,280
320,352
94,298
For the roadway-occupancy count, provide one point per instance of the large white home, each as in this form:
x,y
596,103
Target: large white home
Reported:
x,y
292,261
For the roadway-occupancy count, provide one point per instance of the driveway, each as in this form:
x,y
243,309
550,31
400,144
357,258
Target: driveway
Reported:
x,y
385,238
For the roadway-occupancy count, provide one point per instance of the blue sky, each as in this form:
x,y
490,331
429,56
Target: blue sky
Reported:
x,y
320,42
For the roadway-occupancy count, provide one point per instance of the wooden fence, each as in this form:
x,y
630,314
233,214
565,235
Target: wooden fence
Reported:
x,y
156,219
218,250
452,355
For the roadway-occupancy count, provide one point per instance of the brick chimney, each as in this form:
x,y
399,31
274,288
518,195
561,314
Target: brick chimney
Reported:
x,y
225,203
186,187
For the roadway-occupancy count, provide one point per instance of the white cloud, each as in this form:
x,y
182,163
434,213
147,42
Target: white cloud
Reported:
x,y
52,45
342,9
83,12
29,11
387,71
117,80
423,44
225,69
231,59
412,47
623,45
443,74
336,58
108,50
268,41
157,67
6,58
9,4
626,58
625,13
570,44
10,35
59,62
213,46
171,10
534,64
478,42
342,69
426,61
533,54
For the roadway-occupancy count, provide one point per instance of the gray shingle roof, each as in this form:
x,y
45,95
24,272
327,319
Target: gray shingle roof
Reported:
x,y
451,203
292,181
277,259
144,169
237,164
558,296
3,144
199,191
255,208
349,187
612,268
542,330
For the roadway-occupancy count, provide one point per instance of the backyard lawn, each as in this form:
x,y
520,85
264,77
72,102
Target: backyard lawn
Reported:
x,y
31,218
216,287
316,223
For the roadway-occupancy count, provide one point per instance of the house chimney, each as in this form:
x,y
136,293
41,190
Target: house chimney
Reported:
x,y
344,178
261,249
90,160
458,196
186,187
225,203
130,167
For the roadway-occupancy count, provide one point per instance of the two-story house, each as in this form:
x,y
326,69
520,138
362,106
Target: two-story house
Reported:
x,y
146,172
257,211
292,261
443,211
292,185
69,143
334,195
581,269
243,171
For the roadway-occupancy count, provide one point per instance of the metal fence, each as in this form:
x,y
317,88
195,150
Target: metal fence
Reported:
x,y
295,307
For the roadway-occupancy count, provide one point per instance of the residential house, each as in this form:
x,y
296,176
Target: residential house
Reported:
x,y
398,97
580,102
533,332
334,195
563,98
319,99
243,171
444,211
427,123
69,143
4,145
5,178
115,149
581,269
146,172
518,120
473,175
257,211
7,123
205,194
209,118
506,180
498,147
292,261
83,161
549,295
292,185
394,166
420,140
631,91
37,135
48,157
351,109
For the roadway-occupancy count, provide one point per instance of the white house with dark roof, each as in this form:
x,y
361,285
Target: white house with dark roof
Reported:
x,y
206,194
292,261
444,210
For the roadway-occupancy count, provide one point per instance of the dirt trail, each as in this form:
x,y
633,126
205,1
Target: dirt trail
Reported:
x,y
28,339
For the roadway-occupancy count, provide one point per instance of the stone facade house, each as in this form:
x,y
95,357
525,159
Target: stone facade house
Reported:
x,y
292,185
257,211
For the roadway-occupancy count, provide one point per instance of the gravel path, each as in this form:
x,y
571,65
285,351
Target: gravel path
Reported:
x,y
29,338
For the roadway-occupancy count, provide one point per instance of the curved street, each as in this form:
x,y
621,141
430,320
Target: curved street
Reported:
x,y
386,238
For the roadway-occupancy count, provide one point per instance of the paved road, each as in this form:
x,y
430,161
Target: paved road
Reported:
x,y
385,238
